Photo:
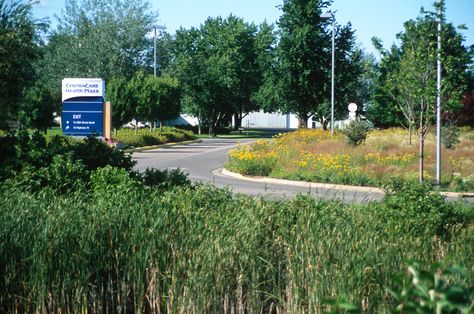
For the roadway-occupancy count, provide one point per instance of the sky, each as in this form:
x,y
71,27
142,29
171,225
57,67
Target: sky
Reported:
x,y
380,18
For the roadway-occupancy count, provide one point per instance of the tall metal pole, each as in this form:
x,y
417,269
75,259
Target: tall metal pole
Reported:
x,y
438,98
160,28
332,76
154,51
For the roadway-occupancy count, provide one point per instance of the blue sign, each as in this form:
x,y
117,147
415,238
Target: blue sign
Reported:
x,y
83,116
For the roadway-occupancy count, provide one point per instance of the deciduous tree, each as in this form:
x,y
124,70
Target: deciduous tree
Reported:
x,y
161,98
304,62
221,68
411,80
19,48
99,38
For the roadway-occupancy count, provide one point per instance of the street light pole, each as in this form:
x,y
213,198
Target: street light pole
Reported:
x,y
154,50
161,28
332,75
438,99
330,15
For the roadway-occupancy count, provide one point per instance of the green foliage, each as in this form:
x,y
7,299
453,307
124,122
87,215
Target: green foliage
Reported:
x,y
21,153
407,83
459,184
158,98
419,209
118,94
144,98
164,178
303,80
356,178
253,167
108,39
62,175
145,137
450,136
356,132
433,291
37,107
210,251
19,49
220,66
108,179
94,153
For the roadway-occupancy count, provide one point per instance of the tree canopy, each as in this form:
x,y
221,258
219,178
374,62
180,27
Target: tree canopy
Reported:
x,y
220,66
99,38
20,40
303,67
411,72
408,71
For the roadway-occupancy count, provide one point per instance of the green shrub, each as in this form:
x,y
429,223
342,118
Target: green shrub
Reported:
x,y
110,179
94,154
164,178
420,209
22,153
460,184
356,132
145,137
450,136
62,175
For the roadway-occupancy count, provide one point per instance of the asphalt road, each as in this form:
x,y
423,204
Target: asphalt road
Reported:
x,y
204,161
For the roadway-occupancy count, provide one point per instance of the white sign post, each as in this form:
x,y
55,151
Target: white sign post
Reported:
x,y
352,111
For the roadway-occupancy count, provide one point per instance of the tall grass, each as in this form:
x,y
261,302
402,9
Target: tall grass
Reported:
x,y
125,248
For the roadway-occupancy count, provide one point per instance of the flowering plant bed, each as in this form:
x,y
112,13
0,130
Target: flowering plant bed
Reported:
x,y
314,155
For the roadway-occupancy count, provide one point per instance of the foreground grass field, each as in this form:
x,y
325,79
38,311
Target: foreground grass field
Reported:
x,y
80,231
121,247
314,155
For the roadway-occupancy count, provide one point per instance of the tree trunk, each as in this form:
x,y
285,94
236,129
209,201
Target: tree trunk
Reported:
x,y
422,161
199,125
161,125
238,121
324,123
212,130
410,131
303,121
422,147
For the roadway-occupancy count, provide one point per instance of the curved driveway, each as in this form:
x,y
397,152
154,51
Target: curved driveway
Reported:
x,y
204,161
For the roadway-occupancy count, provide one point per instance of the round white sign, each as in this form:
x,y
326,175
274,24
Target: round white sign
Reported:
x,y
352,107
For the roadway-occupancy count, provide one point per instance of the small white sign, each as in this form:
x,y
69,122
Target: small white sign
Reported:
x,y
82,87
352,107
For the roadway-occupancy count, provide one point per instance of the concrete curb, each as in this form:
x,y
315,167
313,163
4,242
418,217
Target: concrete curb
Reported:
x,y
336,187
144,148
315,185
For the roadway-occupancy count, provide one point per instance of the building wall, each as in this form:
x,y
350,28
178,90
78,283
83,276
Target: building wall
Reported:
x,y
265,120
